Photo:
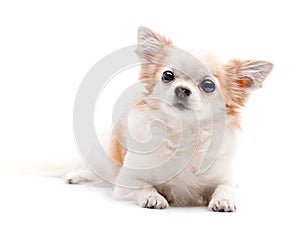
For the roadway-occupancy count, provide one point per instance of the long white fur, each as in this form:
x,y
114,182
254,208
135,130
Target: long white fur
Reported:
x,y
215,187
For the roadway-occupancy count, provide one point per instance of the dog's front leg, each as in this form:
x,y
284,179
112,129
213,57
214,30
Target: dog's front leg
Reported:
x,y
223,199
130,186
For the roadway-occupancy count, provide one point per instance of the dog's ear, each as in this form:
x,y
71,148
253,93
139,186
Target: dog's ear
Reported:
x,y
242,77
249,74
151,45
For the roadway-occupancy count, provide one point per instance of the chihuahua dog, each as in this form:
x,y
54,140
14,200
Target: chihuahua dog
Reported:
x,y
175,143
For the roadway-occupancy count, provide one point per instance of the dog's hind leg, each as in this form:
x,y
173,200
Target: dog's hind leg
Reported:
x,y
81,175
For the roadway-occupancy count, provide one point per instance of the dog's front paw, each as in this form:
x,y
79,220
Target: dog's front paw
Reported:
x,y
155,201
222,205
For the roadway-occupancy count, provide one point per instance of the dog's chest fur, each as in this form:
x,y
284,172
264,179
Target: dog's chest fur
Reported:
x,y
189,186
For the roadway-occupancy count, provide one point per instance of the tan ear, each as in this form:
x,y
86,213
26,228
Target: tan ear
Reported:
x,y
151,45
244,76
251,74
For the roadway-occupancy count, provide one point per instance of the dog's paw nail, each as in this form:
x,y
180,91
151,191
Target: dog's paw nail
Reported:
x,y
73,178
71,181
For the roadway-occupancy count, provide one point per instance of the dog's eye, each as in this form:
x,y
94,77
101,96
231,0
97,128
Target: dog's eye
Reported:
x,y
208,86
167,77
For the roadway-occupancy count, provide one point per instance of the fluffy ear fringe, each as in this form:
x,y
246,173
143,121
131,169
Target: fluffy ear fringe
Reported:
x,y
251,74
242,77
151,45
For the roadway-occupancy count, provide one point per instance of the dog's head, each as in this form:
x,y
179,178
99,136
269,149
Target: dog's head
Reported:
x,y
185,82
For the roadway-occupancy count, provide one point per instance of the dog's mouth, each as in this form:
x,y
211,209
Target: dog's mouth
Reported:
x,y
180,106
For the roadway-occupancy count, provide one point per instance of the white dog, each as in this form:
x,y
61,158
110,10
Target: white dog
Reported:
x,y
198,103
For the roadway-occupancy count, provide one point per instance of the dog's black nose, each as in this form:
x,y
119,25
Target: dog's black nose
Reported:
x,y
182,92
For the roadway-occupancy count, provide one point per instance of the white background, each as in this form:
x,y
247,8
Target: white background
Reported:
x,y
46,49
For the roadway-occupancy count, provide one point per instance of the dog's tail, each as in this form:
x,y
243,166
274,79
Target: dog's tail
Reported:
x,y
58,170
74,170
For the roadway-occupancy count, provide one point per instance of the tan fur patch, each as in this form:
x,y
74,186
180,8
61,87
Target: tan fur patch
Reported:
x,y
231,92
116,151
